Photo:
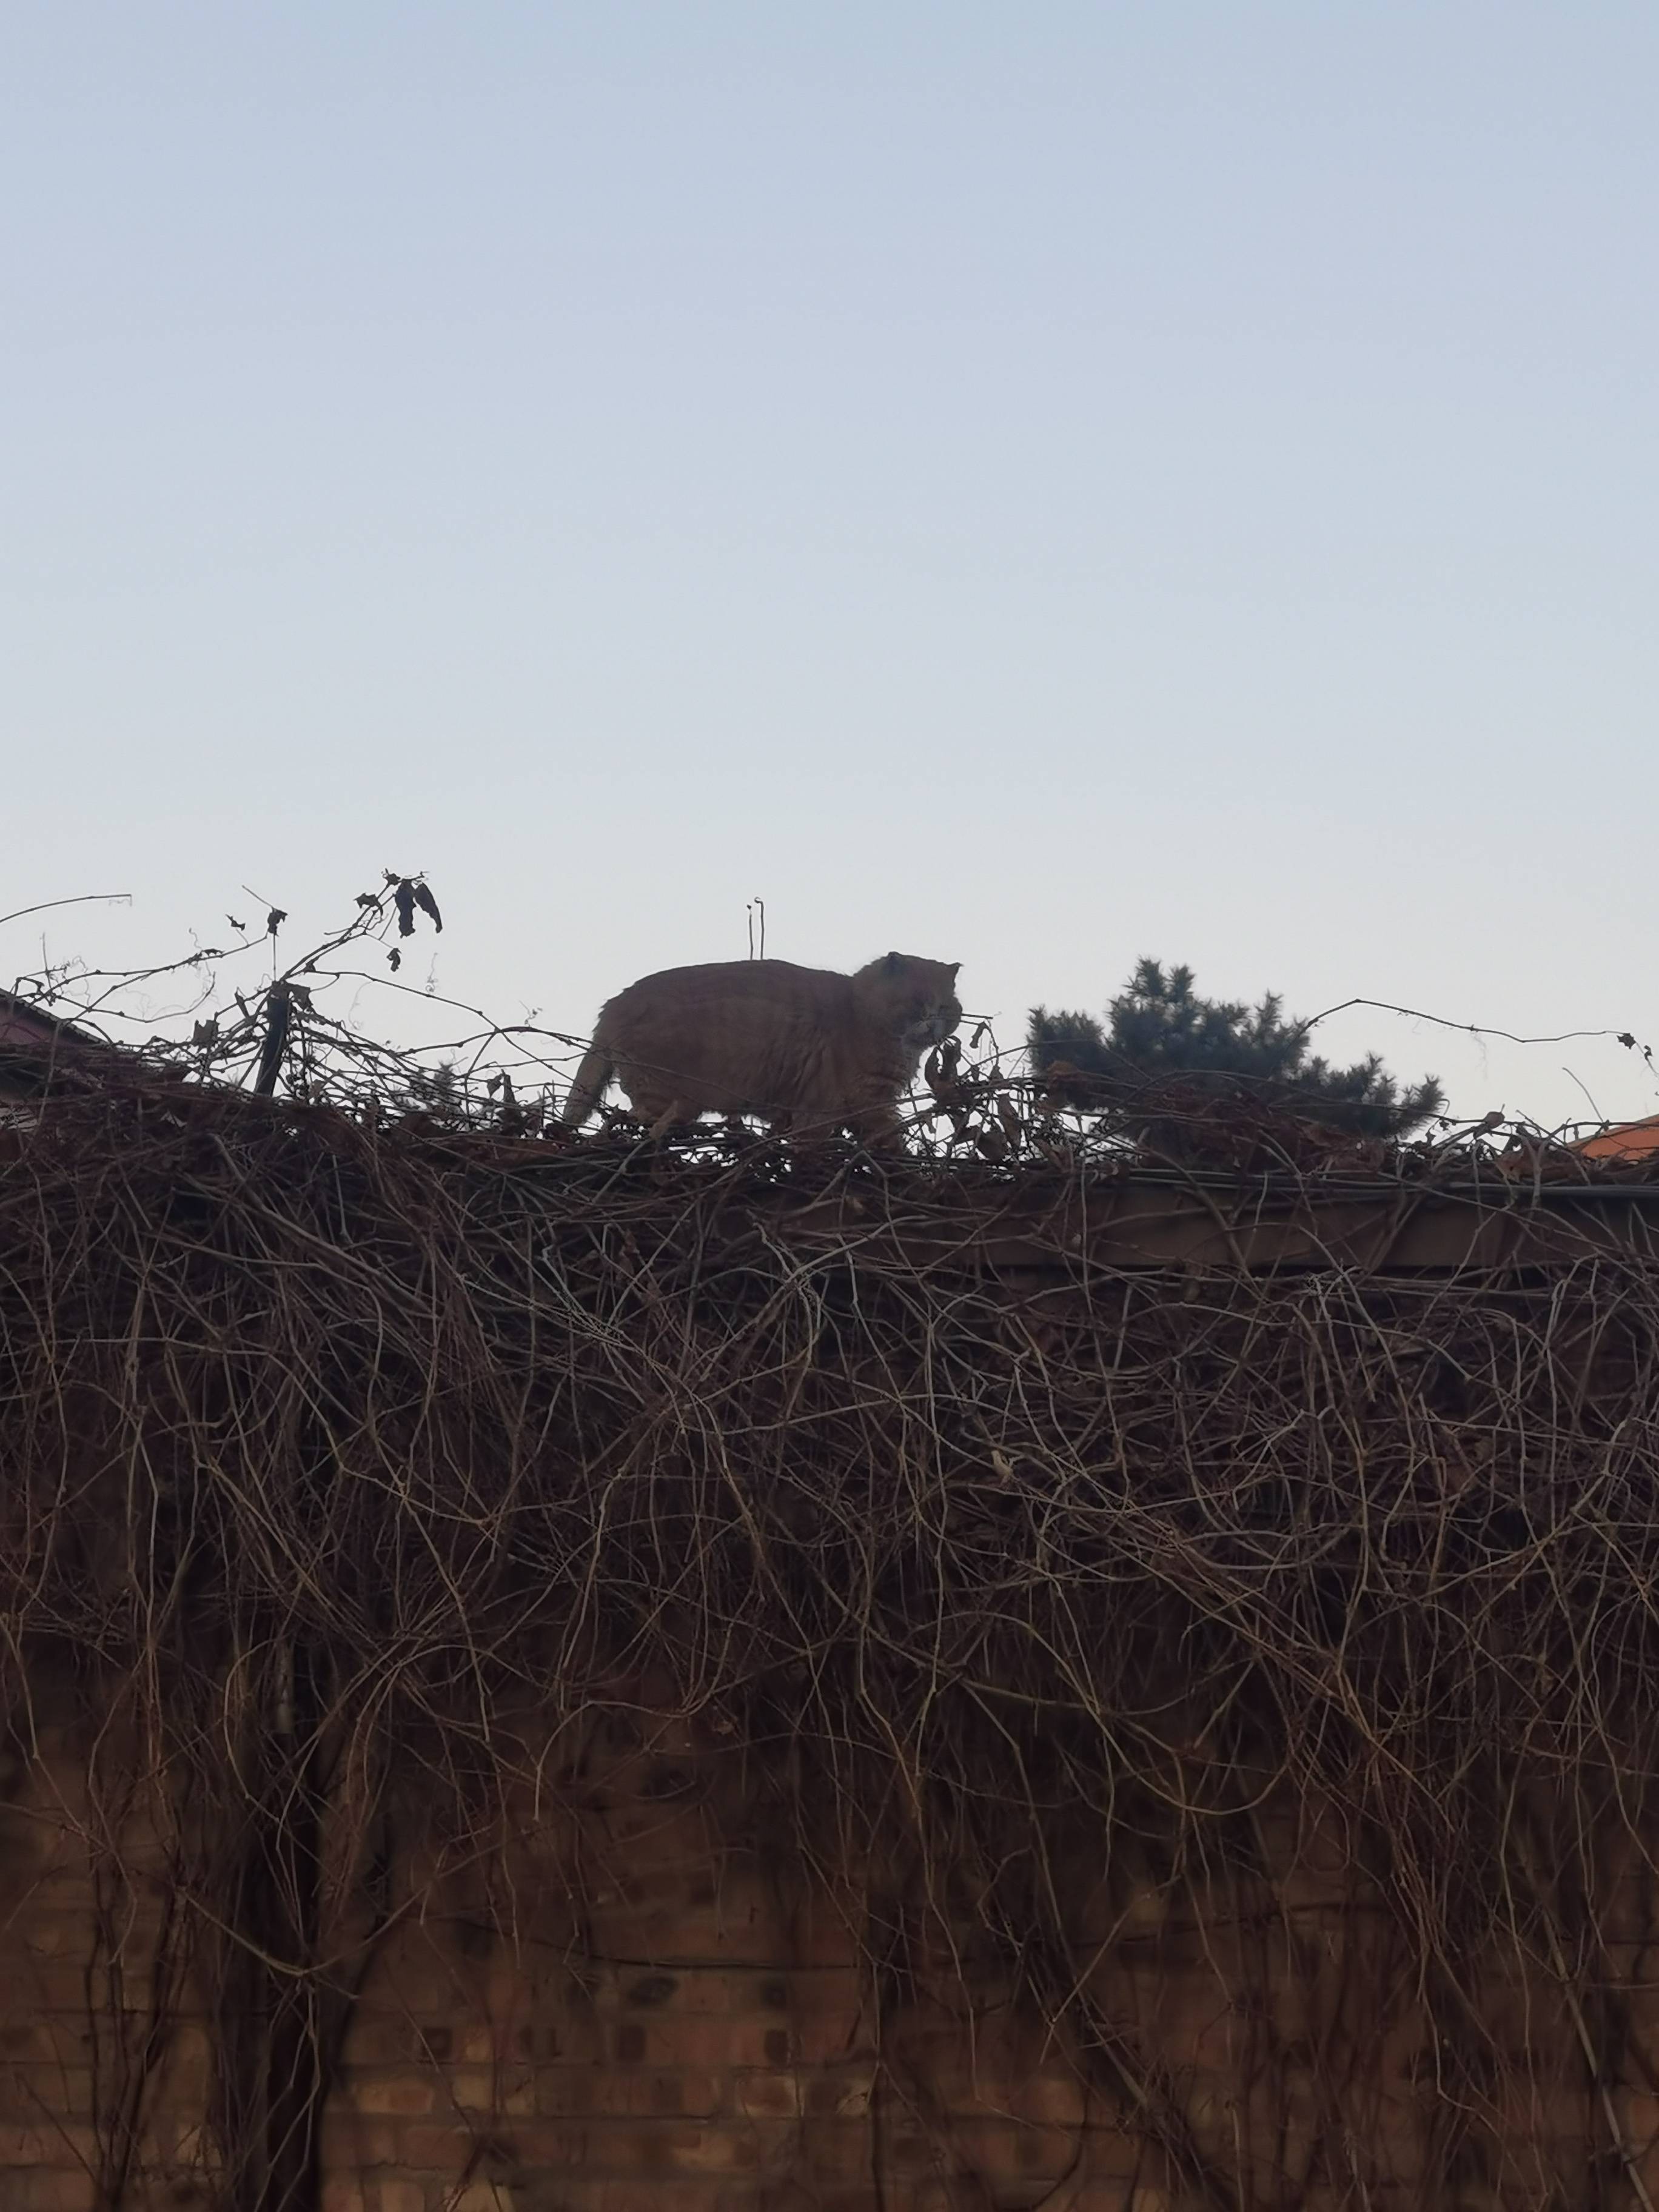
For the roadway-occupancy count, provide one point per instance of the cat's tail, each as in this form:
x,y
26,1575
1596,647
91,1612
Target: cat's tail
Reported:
x,y
587,1089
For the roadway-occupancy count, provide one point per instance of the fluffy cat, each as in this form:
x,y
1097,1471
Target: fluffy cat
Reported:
x,y
806,1048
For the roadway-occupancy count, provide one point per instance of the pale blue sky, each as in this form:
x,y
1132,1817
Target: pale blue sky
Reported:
x,y
1032,485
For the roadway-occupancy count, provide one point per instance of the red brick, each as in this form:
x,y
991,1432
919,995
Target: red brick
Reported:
x,y
434,2150
680,2039
480,2197
403,2095
57,1985
364,2139
667,2194
667,2146
696,1988
845,2092
67,2190
829,2038
379,2040
395,2195
760,2041
831,1990
1007,2150
568,2092
532,2144
768,2094
839,2149
732,1930
474,2091
63,2091
663,2092
51,1934
1058,2099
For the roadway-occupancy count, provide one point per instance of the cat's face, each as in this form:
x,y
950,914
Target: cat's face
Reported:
x,y
919,997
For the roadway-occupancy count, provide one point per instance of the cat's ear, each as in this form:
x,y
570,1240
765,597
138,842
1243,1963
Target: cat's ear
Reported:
x,y
892,964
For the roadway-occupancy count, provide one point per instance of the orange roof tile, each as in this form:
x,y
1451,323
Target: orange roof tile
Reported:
x,y
1623,1140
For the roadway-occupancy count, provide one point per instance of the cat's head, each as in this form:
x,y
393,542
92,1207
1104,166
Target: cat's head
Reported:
x,y
917,998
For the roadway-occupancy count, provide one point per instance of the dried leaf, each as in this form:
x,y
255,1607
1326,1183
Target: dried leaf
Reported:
x,y
427,904
274,920
404,898
394,959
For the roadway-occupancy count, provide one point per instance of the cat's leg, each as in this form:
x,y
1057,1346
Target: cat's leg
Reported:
x,y
878,1127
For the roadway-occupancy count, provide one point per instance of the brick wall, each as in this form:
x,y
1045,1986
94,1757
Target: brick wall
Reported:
x,y
639,2003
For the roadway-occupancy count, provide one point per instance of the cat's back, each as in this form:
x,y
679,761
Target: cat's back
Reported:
x,y
707,990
